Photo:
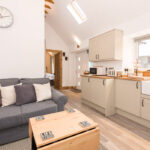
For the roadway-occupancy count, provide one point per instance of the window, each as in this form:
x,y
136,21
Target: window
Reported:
x,y
77,12
144,52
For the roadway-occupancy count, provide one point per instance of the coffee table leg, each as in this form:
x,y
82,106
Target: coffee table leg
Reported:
x,y
33,144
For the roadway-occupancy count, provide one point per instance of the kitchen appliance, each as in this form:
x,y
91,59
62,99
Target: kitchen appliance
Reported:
x,y
99,71
111,72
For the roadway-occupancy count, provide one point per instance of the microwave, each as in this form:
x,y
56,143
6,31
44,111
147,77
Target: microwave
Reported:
x,y
100,71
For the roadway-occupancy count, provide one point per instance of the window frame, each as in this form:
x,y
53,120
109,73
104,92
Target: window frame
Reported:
x,y
137,41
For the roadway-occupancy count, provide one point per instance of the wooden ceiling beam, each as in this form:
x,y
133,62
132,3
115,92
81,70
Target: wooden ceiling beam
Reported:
x,y
47,6
50,1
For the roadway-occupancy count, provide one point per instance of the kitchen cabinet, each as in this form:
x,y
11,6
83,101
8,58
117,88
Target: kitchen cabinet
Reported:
x,y
86,88
128,96
99,92
145,108
107,46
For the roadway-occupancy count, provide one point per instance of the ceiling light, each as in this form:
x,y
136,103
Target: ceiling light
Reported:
x,y
77,12
77,40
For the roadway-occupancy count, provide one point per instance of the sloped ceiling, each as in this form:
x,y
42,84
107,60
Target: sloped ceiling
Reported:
x,y
101,14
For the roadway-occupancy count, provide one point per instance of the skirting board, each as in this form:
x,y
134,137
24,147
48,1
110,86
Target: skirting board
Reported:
x,y
134,118
68,87
98,108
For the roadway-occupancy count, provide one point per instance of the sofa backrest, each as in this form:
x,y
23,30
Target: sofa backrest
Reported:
x,y
9,81
34,80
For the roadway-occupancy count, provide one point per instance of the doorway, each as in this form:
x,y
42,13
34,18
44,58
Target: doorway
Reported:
x,y
53,66
82,62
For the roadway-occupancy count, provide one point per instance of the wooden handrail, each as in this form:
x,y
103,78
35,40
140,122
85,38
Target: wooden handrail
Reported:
x,y
47,6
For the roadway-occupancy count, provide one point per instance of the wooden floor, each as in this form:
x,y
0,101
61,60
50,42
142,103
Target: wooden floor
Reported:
x,y
117,132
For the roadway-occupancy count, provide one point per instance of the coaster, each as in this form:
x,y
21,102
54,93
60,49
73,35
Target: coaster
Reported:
x,y
38,118
84,124
47,135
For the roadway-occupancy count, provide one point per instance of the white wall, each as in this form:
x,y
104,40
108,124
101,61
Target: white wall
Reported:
x,y
55,42
22,45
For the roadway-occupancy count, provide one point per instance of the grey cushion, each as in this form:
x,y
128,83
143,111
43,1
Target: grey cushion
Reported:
x,y
35,80
25,94
59,98
0,99
11,81
10,117
38,108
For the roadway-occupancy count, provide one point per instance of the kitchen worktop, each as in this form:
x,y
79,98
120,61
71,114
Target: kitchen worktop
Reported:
x,y
96,76
134,78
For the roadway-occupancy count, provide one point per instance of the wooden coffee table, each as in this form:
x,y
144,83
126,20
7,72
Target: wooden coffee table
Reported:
x,y
68,132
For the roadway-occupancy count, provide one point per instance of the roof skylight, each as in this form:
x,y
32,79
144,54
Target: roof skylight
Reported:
x,y
77,12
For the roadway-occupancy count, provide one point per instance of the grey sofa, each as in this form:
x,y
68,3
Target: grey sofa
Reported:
x,y
14,119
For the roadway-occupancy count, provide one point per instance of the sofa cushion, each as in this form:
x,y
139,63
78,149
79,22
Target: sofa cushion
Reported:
x,y
8,82
35,80
10,117
0,99
43,91
25,94
36,109
8,95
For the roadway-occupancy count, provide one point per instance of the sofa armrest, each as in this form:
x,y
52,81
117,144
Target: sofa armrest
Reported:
x,y
59,98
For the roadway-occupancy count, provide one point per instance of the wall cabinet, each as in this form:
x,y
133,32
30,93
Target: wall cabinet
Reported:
x,y
145,108
107,46
128,96
99,92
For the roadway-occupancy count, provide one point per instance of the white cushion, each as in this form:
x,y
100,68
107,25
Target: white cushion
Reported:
x,y
43,91
8,95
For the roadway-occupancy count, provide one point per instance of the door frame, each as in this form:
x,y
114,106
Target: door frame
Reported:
x,y
60,64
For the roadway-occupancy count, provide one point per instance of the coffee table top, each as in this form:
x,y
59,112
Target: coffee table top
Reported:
x,y
62,124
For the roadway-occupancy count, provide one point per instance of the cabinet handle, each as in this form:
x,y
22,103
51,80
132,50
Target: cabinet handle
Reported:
x,y
96,56
103,82
137,85
88,79
142,102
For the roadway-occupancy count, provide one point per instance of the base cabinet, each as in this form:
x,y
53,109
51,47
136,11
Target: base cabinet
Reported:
x,y
99,92
86,88
145,108
111,96
128,96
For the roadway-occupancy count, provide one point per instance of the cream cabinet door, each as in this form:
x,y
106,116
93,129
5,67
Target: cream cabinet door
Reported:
x,y
86,88
98,92
107,46
145,109
127,96
93,50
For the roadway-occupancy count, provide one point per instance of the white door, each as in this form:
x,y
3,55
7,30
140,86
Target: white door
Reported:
x,y
82,62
